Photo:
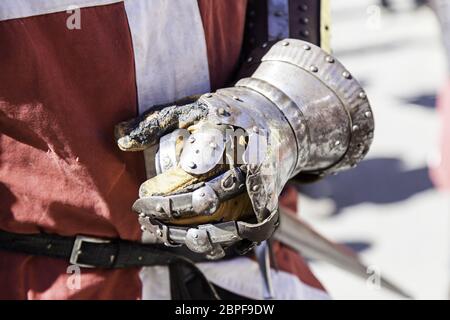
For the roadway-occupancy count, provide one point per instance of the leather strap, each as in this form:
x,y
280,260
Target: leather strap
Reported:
x,y
90,252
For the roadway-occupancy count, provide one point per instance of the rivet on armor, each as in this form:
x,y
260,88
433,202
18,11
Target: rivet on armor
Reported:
x,y
237,98
222,112
313,69
368,114
208,95
159,208
304,20
143,228
303,7
140,258
159,233
202,194
255,187
306,47
264,45
141,215
213,145
355,128
285,43
255,129
304,33
250,59
337,143
195,236
192,165
346,75
329,59
191,139
362,95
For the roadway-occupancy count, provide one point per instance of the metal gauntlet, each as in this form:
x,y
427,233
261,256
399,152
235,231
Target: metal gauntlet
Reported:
x,y
299,112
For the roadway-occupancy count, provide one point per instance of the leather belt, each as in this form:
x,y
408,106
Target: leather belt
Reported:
x,y
93,252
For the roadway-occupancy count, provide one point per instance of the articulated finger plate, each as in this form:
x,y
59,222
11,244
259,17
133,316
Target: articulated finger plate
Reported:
x,y
211,239
203,201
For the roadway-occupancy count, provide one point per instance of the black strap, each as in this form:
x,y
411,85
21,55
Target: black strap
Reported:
x,y
93,252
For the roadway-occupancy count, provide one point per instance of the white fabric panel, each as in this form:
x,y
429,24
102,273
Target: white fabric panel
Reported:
x,y
242,276
171,63
13,9
169,48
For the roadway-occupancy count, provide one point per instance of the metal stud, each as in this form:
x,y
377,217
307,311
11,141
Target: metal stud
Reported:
x,y
285,43
346,75
304,20
192,165
255,188
140,258
208,95
329,59
362,95
355,128
143,228
237,98
304,33
313,69
195,236
368,114
222,112
337,143
307,47
49,246
159,208
213,145
264,45
303,7
141,215
255,129
250,59
191,139
159,233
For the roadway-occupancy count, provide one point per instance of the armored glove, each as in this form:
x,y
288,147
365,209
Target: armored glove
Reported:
x,y
224,157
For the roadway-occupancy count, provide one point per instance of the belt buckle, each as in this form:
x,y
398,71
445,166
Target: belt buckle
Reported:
x,y
76,249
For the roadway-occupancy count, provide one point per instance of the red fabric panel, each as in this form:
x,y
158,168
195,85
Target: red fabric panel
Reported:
x,y
61,93
223,22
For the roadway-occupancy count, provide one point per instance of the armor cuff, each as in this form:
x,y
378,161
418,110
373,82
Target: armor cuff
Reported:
x,y
326,107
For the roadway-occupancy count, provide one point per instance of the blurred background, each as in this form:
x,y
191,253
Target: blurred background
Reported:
x,y
387,209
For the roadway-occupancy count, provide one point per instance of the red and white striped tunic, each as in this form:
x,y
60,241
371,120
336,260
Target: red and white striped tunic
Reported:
x,y
63,89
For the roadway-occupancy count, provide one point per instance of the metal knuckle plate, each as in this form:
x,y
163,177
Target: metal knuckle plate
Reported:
x,y
198,241
205,201
202,151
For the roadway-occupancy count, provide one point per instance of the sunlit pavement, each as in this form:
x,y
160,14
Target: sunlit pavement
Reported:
x,y
387,208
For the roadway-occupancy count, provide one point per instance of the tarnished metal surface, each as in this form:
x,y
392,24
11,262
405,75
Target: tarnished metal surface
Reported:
x,y
301,111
